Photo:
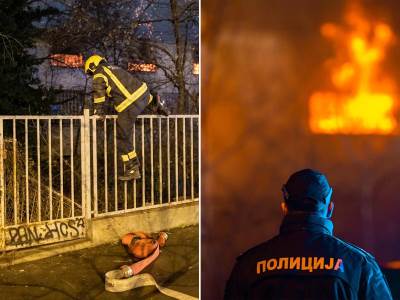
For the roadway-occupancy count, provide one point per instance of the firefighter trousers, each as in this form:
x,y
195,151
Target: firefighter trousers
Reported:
x,y
125,125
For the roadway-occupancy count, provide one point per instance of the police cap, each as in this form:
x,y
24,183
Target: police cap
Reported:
x,y
306,189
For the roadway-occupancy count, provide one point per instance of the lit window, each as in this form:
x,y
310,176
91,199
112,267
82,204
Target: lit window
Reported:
x,y
135,67
66,60
196,69
362,98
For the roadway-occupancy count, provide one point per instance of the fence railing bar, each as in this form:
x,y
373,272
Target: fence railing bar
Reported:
x,y
172,204
151,116
71,132
94,153
83,163
176,161
106,117
191,159
38,169
168,163
30,117
105,166
26,173
2,184
50,172
14,143
184,157
115,167
80,117
155,116
125,193
134,181
125,184
151,162
61,170
143,169
160,186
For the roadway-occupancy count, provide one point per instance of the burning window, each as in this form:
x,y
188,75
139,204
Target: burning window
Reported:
x,y
196,68
361,96
137,67
66,60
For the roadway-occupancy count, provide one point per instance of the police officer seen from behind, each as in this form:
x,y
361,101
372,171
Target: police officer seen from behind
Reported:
x,y
305,260
129,97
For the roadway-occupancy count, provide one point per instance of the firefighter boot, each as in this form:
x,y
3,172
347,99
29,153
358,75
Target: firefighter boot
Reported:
x,y
132,171
161,107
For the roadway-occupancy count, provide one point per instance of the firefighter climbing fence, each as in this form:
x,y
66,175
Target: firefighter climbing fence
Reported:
x,y
56,172
168,153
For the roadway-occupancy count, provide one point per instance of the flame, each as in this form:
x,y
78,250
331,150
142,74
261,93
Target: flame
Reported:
x,y
134,67
66,60
361,99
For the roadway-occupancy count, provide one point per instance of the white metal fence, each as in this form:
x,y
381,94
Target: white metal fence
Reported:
x,y
168,152
58,171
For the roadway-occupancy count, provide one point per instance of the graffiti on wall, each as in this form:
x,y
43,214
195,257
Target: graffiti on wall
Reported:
x,y
44,233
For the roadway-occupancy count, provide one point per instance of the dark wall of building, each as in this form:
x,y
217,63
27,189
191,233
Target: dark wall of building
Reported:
x,y
261,60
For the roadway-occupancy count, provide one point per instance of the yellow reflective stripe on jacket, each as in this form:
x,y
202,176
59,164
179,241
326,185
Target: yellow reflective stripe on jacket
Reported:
x,y
129,156
118,83
150,98
103,77
132,154
99,100
130,98
108,87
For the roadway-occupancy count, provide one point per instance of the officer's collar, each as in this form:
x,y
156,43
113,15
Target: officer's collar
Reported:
x,y
306,221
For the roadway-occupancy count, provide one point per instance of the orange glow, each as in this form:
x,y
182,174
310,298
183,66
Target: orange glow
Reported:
x,y
66,60
394,264
196,69
361,98
141,67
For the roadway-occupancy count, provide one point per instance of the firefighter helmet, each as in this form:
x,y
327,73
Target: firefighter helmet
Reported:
x,y
92,63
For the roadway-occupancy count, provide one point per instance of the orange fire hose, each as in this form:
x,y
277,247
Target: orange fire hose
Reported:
x,y
140,245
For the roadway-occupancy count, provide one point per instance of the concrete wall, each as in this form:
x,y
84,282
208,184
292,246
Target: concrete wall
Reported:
x,y
109,229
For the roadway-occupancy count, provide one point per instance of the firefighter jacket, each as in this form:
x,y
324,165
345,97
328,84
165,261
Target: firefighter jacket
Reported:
x,y
118,84
305,261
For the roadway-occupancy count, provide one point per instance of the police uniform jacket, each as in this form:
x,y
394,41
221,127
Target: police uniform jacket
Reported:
x,y
305,261
124,89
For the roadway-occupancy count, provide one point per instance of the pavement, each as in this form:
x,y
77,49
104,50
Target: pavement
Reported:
x,y
80,274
